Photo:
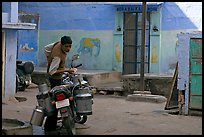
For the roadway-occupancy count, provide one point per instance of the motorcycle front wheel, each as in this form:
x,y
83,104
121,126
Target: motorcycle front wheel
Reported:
x,y
69,125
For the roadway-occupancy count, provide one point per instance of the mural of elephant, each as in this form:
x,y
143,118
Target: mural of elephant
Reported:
x,y
88,44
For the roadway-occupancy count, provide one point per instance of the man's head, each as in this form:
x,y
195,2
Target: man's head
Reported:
x,y
66,43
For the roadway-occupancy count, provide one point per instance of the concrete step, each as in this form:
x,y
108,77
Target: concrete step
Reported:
x,y
115,88
110,86
95,77
146,98
99,77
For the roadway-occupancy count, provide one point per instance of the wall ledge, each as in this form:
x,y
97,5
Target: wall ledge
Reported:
x,y
10,25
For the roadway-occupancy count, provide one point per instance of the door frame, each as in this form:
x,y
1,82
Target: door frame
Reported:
x,y
3,62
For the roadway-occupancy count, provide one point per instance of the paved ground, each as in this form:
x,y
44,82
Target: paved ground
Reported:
x,y
114,115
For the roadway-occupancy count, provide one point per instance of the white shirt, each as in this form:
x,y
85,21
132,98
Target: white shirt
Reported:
x,y
48,48
54,65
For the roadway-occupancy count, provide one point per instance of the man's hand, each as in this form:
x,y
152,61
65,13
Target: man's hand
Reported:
x,y
71,70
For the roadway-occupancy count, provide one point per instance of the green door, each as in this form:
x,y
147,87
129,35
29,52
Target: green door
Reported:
x,y
195,74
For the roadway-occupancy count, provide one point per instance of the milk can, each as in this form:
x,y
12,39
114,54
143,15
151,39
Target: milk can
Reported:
x,y
84,103
37,116
44,99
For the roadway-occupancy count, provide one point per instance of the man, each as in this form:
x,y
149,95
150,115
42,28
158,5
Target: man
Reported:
x,y
56,56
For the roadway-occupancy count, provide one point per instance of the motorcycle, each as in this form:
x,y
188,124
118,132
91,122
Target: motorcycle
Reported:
x,y
24,69
73,100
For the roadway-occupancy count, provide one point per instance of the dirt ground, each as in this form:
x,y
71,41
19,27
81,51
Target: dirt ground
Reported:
x,y
114,115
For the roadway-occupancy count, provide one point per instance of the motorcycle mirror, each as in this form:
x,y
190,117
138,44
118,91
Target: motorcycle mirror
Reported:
x,y
75,57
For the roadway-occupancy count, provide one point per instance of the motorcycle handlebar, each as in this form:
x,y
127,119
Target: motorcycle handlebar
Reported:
x,y
76,66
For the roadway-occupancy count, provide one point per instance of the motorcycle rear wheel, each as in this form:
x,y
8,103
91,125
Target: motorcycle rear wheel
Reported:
x,y
69,125
81,119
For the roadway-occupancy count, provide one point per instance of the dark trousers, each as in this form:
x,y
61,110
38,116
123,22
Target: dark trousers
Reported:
x,y
51,121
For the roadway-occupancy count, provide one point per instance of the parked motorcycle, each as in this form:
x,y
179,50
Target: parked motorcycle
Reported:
x,y
24,69
73,100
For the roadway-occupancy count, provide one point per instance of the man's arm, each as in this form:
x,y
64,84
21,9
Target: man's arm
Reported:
x,y
55,65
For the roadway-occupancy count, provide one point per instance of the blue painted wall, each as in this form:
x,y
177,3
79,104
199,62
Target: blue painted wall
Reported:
x,y
73,15
6,7
10,43
28,39
10,62
183,53
176,17
82,20
10,55
27,46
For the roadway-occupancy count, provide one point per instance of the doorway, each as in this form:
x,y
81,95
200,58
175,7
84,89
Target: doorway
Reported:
x,y
132,42
195,75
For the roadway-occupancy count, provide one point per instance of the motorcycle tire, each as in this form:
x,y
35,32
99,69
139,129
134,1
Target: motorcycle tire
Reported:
x,y
28,67
16,84
69,125
22,88
81,119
